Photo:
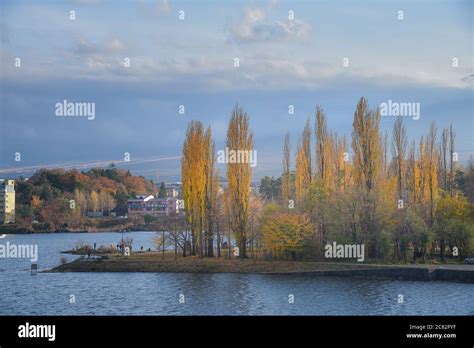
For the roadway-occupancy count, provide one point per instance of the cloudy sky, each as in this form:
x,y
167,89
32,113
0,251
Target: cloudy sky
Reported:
x,y
174,61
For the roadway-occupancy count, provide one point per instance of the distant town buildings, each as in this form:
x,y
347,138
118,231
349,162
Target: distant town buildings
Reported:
x,y
172,192
174,189
149,205
7,201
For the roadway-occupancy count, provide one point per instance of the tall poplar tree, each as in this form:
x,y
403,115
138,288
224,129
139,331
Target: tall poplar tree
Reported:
x,y
367,149
194,163
286,176
239,138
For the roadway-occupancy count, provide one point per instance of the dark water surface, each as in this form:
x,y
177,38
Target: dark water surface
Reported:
x,y
206,294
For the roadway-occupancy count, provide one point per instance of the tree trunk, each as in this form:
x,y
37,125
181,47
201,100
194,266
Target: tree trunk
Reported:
x,y
193,240
210,247
200,240
243,246
175,249
441,249
218,240
163,246
228,243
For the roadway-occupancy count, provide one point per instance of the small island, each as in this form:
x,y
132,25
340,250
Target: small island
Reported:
x,y
165,262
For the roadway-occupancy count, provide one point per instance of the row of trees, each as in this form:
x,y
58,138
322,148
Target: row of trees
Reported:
x,y
355,193
203,203
399,198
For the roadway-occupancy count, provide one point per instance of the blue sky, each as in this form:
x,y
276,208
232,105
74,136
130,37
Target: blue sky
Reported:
x,y
190,62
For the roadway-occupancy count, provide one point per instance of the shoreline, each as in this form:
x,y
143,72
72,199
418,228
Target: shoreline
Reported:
x,y
91,231
95,226
144,262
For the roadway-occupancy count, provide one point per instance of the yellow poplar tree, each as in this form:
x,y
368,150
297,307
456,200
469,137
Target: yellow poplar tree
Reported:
x,y
432,169
303,163
212,188
239,138
367,152
196,151
286,177
322,148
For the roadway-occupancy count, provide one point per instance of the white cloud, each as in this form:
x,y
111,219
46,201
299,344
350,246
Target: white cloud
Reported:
x,y
294,28
254,26
266,67
85,47
115,45
258,71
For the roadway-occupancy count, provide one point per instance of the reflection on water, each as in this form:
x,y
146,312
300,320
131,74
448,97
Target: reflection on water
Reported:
x,y
207,294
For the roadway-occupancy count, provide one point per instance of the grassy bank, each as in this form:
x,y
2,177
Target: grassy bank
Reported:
x,y
154,262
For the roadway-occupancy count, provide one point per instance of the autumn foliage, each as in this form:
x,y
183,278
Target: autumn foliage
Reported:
x,y
52,200
417,202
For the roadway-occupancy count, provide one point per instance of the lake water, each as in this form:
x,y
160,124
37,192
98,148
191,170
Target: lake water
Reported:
x,y
205,294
